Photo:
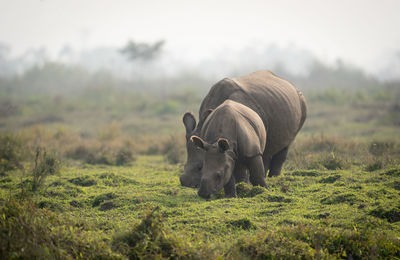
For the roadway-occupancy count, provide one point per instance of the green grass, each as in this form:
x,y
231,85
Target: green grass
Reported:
x,y
121,147
306,212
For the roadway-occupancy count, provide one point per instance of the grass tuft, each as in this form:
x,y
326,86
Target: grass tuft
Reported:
x,y
245,190
391,215
84,181
310,242
27,232
149,240
243,223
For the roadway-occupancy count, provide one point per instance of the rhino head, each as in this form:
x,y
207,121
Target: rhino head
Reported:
x,y
217,167
192,170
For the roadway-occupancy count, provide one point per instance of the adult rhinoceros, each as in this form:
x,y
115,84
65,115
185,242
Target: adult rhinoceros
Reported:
x,y
279,104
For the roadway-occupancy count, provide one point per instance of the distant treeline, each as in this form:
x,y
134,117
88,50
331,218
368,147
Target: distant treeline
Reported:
x,y
54,79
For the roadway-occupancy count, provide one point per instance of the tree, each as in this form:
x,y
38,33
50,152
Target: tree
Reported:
x,y
142,51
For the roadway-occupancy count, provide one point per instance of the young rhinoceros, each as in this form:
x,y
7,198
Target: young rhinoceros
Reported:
x,y
233,138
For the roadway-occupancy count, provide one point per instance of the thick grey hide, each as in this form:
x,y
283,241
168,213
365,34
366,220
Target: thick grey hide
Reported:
x,y
279,104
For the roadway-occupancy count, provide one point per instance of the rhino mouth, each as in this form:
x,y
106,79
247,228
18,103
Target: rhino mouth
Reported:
x,y
189,181
204,195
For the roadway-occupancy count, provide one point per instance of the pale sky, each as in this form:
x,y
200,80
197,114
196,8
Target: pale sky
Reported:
x,y
358,31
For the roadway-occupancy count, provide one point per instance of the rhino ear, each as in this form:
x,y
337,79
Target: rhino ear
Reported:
x,y
223,144
189,121
197,141
206,114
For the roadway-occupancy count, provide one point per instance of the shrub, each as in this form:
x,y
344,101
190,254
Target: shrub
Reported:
x,y
84,181
106,153
103,197
341,198
27,232
245,190
310,242
243,223
391,215
174,149
124,156
333,162
380,148
10,153
45,165
150,240
373,166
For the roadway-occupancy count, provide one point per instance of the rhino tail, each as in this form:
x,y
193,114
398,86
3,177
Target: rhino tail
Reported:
x,y
303,106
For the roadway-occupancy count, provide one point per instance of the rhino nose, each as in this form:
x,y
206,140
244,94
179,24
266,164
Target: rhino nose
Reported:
x,y
184,181
203,194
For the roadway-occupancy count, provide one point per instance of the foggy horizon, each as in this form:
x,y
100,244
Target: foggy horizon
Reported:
x,y
361,33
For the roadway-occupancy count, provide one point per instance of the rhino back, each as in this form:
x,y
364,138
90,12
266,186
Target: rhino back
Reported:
x,y
218,93
239,124
277,102
280,105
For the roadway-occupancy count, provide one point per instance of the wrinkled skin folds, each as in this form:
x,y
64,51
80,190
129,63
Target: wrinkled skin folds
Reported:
x,y
217,169
281,107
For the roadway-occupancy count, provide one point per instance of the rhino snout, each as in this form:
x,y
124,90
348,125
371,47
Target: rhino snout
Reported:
x,y
206,188
186,181
203,194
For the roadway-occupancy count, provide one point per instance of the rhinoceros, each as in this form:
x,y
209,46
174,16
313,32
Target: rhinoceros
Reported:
x,y
279,104
233,139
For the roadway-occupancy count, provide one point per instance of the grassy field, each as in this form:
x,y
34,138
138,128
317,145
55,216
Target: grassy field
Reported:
x,y
95,174
306,213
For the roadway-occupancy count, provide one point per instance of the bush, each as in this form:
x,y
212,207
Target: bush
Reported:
x,y
391,215
27,232
10,153
45,165
242,223
380,148
150,240
84,181
107,153
333,162
309,242
245,190
124,156
373,166
174,149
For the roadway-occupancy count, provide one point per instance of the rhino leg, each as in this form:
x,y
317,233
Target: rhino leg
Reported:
x,y
241,173
256,168
277,162
230,188
267,164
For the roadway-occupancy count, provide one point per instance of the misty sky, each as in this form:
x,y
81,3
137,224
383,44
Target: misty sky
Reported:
x,y
358,31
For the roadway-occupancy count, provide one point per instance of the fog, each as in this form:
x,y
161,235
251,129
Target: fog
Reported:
x,y
213,39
